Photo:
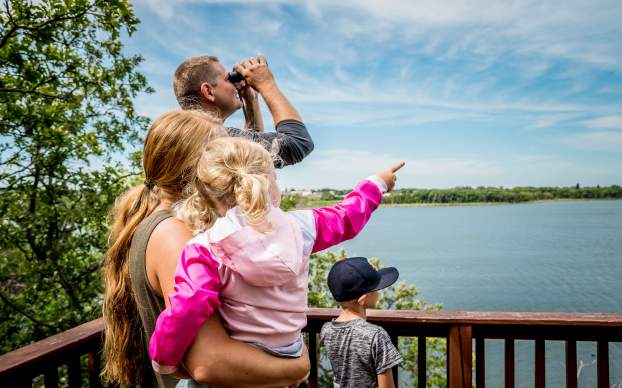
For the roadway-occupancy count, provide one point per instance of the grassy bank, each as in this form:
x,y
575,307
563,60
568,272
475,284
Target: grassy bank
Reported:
x,y
320,203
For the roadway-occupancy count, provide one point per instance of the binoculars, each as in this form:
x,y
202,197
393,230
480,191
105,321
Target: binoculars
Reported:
x,y
234,77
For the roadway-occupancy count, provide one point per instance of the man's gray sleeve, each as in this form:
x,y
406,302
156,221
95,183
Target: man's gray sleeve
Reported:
x,y
290,143
383,352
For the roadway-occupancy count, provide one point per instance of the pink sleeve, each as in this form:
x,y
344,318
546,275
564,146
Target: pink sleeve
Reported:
x,y
197,285
341,222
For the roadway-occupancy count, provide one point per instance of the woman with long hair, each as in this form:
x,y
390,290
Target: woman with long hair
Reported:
x,y
139,268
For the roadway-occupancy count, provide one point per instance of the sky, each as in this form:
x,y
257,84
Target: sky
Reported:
x,y
467,93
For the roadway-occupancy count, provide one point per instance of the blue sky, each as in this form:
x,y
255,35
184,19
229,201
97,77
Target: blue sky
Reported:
x,y
467,93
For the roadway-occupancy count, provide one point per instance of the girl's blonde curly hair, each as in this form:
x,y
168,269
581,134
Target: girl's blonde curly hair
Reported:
x,y
231,172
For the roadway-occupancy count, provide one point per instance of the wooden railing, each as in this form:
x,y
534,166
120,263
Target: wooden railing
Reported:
x,y
461,329
20,367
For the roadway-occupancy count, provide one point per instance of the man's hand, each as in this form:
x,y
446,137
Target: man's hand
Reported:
x,y
388,175
256,73
250,103
245,90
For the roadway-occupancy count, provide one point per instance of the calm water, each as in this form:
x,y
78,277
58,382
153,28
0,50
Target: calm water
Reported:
x,y
553,256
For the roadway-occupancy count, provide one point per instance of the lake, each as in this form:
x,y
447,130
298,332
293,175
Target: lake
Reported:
x,y
548,256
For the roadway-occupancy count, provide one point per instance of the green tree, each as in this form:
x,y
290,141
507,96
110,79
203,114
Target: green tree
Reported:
x,y
289,202
66,115
400,296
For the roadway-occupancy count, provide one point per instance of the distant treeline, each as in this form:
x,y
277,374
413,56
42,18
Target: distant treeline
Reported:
x,y
498,194
473,194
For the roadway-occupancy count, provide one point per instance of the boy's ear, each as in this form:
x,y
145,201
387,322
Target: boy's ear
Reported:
x,y
361,300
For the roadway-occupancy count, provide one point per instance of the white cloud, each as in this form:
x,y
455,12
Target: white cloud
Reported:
x,y
385,102
444,93
573,30
549,120
535,158
603,140
163,8
167,9
613,122
343,168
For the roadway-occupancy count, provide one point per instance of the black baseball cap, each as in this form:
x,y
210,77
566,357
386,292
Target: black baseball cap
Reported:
x,y
350,278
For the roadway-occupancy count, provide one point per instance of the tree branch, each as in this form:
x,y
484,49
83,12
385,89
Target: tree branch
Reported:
x,y
92,268
27,91
66,286
32,208
15,307
58,18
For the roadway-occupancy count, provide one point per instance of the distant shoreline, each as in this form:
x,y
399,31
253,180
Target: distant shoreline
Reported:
x,y
462,196
433,204
447,204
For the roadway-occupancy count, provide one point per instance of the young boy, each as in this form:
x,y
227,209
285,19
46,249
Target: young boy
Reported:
x,y
361,354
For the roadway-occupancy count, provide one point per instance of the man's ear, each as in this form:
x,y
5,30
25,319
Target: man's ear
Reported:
x,y
361,300
207,92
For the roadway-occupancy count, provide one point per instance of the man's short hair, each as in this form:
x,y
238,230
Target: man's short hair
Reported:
x,y
188,79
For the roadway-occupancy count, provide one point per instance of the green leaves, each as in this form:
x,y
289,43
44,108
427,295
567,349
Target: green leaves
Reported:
x,y
66,111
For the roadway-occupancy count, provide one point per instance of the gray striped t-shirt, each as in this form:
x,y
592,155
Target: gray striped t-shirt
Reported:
x,y
358,352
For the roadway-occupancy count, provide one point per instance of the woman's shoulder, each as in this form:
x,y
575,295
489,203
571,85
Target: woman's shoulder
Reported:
x,y
163,249
170,232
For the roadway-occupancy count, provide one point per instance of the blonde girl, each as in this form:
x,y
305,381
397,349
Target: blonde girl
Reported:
x,y
250,260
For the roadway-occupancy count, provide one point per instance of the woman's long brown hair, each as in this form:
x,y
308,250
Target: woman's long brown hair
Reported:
x,y
172,148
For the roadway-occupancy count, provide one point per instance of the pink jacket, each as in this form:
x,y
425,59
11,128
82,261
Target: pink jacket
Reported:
x,y
258,281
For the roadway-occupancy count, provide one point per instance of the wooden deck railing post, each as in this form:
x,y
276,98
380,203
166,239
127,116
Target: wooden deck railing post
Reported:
x,y
23,382
50,377
94,367
540,363
509,363
421,362
571,364
394,340
75,372
460,356
602,364
480,362
313,356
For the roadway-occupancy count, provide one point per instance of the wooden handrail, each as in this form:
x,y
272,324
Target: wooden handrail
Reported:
x,y
460,328
481,318
57,348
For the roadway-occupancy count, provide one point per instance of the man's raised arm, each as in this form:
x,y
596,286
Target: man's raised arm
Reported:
x,y
291,141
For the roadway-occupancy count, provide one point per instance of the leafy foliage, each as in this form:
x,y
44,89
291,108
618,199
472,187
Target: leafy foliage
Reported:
x,y
400,296
66,115
289,202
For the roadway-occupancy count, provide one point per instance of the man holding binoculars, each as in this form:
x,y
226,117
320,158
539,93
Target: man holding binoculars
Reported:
x,y
203,83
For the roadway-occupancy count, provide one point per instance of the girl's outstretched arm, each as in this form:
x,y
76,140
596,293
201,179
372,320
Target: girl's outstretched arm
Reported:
x,y
341,222
328,226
